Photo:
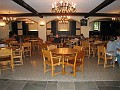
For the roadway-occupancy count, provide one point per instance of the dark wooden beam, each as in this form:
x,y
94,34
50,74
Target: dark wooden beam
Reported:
x,y
58,14
26,6
99,7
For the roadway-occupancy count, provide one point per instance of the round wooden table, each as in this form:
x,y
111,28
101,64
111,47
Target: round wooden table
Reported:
x,y
64,52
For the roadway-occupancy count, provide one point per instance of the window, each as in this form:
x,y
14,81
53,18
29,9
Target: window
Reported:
x,y
63,26
96,25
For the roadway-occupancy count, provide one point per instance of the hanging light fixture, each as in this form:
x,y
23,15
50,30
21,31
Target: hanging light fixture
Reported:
x,y
63,19
116,18
8,19
2,24
63,6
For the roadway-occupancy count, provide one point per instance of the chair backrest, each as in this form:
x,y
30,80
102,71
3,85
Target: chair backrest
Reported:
x,y
43,46
27,44
50,47
5,52
101,51
6,57
79,48
80,56
13,42
47,55
85,44
86,48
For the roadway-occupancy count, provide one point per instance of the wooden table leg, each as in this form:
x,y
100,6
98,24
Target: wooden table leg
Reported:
x,y
63,65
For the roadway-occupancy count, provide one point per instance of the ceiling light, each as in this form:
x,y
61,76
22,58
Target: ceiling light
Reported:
x,y
2,24
63,6
116,18
8,19
63,19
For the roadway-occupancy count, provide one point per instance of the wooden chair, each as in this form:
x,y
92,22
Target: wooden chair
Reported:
x,y
50,61
50,47
26,49
86,48
89,48
17,56
103,55
43,46
6,59
79,48
76,61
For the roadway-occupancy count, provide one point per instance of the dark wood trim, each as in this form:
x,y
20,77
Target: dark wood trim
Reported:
x,y
58,14
99,7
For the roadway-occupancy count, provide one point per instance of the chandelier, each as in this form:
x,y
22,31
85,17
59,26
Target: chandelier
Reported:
x,y
116,18
63,19
63,7
8,19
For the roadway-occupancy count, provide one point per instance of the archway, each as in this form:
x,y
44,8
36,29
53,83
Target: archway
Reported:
x,y
63,29
25,26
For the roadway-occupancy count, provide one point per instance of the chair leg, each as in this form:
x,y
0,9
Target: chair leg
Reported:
x,y
52,71
44,67
12,66
81,66
21,59
105,62
30,53
98,60
74,71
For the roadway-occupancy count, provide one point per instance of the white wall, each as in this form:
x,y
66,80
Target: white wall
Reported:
x,y
4,32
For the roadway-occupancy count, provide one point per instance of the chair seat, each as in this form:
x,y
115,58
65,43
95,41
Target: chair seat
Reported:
x,y
77,62
107,57
55,61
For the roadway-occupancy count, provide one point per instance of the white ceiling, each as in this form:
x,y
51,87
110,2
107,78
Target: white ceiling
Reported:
x,y
41,6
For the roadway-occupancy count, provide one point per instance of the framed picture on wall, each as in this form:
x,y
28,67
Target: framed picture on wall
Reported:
x,y
20,32
19,25
63,27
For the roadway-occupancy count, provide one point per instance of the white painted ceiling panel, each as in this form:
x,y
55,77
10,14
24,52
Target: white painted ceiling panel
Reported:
x,y
44,6
81,5
7,6
112,8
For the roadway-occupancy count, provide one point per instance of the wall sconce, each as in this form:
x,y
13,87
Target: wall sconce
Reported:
x,y
2,24
42,23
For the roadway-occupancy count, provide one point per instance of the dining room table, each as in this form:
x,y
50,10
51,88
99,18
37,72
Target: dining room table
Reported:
x,y
64,52
34,42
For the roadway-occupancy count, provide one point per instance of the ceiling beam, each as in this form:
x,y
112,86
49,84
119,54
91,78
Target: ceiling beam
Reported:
x,y
26,6
99,7
58,14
